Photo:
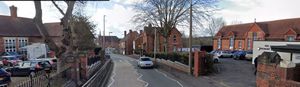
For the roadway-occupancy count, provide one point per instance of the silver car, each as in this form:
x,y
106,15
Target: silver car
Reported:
x,y
145,62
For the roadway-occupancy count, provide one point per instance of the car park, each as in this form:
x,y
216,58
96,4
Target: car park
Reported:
x,y
5,77
29,68
239,55
145,62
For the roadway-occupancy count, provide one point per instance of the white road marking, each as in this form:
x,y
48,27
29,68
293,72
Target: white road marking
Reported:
x,y
169,77
112,77
140,75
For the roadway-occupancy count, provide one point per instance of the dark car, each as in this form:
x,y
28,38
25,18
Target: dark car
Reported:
x,y
4,77
27,68
52,61
239,55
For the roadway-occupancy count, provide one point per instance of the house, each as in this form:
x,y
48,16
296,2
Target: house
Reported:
x,y
110,41
126,44
241,36
148,35
17,32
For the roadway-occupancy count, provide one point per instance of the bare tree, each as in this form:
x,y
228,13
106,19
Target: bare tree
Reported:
x,y
168,14
214,25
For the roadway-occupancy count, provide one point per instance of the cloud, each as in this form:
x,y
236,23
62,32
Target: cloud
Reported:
x,y
117,19
263,10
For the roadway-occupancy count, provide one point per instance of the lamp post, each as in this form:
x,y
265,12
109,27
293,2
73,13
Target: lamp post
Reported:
x,y
104,32
190,39
155,46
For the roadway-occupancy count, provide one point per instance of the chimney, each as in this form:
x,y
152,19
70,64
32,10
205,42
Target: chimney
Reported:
x,y
130,31
141,31
149,25
124,34
13,11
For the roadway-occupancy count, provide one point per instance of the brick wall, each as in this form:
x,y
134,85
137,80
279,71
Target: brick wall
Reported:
x,y
271,75
1,44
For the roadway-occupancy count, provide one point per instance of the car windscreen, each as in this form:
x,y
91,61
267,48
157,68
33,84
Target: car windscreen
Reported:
x,y
249,52
145,59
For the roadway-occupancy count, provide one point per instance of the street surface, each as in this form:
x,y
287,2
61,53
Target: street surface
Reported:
x,y
127,74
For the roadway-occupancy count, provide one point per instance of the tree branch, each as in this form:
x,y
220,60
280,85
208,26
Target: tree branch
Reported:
x,y
59,9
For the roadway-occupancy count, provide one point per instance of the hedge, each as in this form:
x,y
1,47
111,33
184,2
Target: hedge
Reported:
x,y
179,57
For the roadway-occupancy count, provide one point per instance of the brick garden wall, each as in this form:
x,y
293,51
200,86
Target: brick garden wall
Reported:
x,y
271,75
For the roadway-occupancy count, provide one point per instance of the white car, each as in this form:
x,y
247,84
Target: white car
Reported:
x,y
144,62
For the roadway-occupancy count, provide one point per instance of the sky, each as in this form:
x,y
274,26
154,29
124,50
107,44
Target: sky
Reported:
x,y
119,12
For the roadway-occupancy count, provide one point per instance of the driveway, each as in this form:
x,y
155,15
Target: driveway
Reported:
x,y
235,73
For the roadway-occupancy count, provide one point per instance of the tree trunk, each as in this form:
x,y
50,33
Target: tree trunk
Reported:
x,y
166,44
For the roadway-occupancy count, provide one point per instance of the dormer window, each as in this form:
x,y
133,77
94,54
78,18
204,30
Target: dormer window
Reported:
x,y
174,38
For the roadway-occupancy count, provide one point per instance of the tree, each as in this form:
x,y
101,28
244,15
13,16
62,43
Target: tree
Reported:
x,y
84,30
169,13
214,25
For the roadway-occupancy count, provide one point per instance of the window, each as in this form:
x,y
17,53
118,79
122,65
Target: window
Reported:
x,y
10,44
174,48
231,42
249,43
254,36
23,42
240,44
219,43
290,38
174,38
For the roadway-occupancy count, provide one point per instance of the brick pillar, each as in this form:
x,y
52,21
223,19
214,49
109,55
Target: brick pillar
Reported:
x,y
83,67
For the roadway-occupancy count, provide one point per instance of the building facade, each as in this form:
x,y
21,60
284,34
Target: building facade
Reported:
x,y
17,32
241,36
147,39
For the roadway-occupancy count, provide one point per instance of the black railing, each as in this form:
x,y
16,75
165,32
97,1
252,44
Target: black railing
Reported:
x,y
101,77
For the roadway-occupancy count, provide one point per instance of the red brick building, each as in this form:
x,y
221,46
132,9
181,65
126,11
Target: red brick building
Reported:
x,y
110,41
146,40
241,36
126,43
17,32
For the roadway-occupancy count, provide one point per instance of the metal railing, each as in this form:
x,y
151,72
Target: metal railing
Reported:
x,y
101,77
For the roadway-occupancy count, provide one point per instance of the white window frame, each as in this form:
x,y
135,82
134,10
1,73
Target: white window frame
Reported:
x,y
219,43
10,44
231,42
240,44
289,38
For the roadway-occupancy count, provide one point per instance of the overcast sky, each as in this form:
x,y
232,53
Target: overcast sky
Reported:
x,y
119,12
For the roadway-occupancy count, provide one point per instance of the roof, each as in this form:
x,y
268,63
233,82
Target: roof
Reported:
x,y
11,26
110,38
54,29
150,30
272,29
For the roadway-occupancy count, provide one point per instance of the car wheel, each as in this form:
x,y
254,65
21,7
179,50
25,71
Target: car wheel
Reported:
x,y
231,56
32,74
216,60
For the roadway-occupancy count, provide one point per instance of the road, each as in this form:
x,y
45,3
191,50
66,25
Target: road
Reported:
x,y
127,74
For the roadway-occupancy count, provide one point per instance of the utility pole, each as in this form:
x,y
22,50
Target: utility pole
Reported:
x,y
155,46
190,39
104,32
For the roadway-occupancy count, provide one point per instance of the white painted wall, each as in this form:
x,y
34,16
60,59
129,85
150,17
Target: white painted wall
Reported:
x,y
264,46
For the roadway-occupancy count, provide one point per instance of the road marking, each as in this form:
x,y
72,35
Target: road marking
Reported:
x,y
112,77
169,77
139,74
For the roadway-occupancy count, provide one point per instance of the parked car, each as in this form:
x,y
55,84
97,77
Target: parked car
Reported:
x,y
215,56
10,58
4,77
145,62
239,55
52,61
222,54
249,55
29,68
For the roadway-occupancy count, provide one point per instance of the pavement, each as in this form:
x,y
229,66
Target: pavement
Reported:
x,y
127,74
